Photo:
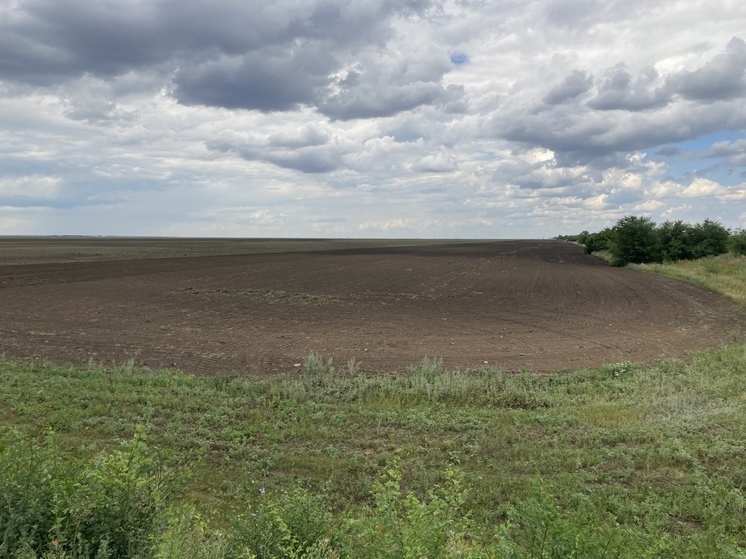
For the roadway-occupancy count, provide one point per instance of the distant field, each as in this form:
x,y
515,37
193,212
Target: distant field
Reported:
x,y
48,250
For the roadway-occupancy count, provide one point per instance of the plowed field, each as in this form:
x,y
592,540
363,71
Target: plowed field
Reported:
x,y
543,305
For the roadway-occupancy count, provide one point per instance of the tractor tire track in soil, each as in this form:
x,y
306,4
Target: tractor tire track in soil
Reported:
x,y
542,305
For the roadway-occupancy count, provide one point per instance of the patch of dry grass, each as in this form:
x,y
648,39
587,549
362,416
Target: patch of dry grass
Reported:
x,y
724,274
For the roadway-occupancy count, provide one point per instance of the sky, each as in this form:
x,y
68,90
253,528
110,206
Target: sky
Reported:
x,y
369,118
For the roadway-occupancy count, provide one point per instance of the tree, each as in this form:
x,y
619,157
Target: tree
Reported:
x,y
676,240
595,242
634,240
710,238
737,242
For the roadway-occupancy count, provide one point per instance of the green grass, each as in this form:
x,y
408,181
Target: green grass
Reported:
x,y
724,274
656,452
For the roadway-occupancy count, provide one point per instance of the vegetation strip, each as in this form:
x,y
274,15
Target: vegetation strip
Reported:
x,y
638,240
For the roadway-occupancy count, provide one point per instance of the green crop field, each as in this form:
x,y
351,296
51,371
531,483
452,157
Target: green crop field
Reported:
x,y
620,461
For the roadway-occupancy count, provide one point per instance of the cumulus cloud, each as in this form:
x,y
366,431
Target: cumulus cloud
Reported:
x,y
441,162
733,152
574,84
383,117
389,83
721,78
626,113
619,91
267,57
265,80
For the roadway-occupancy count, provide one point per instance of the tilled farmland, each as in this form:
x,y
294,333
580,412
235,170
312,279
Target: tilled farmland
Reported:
x,y
538,305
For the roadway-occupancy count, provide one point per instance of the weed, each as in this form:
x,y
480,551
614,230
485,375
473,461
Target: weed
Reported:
x,y
316,371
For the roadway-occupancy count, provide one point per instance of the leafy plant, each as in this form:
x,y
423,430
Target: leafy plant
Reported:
x,y
404,526
289,525
316,371
109,507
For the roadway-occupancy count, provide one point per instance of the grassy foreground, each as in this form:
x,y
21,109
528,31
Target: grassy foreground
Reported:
x,y
621,461
615,462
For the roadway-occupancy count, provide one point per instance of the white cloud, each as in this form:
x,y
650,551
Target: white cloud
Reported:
x,y
32,187
702,187
343,118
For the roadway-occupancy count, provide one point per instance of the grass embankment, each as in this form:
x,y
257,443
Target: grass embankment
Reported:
x,y
615,462
724,274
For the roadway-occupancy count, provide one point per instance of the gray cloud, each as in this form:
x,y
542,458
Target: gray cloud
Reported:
x,y
618,91
668,151
720,79
576,83
725,149
570,13
269,57
384,85
381,100
629,113
309,135
733,152
317,156
266,80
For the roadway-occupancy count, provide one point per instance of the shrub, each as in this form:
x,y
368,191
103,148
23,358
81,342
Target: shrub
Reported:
x,y
316,371
289,525
403,526
597,242
675,238
121,499
538,528
31,479
634,240
637,240
737,242
710,238
110,507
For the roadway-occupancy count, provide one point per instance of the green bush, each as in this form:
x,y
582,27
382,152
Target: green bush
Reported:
x,y
538,528
675,238
109,507
737,242
596,242
290,525
188,536
709,238
403,526
634,239
637,240
33,479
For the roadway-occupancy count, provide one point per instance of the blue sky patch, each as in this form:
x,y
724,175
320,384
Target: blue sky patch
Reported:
x,y
459,58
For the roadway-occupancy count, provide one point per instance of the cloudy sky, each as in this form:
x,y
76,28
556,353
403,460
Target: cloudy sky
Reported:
x,y
369,118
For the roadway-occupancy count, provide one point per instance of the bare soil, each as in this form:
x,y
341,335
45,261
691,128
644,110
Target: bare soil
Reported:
x,y
541,305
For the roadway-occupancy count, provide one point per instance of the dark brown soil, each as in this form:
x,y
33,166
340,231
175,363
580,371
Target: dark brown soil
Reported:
x,y
543,305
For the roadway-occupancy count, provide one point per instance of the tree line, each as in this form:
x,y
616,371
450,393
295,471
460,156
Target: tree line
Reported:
x,y
639,240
